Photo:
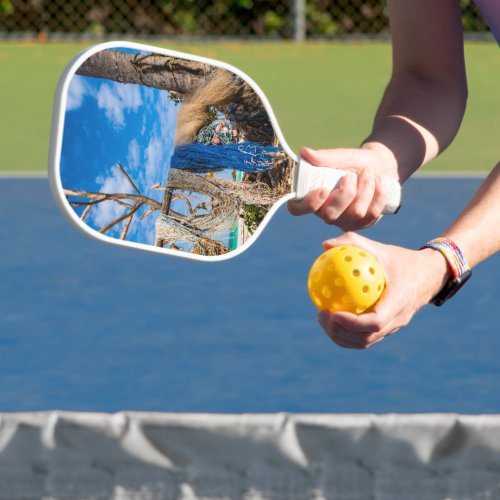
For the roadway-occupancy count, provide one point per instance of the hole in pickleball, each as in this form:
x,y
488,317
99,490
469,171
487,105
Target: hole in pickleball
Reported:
x,y
356,273
346,299
327,293
363,254
339,281
348,258
366,289
317,276
379,287
372,270
330,268
360,309
336,306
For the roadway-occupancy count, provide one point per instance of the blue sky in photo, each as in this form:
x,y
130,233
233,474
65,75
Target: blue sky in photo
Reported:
x,y
106,123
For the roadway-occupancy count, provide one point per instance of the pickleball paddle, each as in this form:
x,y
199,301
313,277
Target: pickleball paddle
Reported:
x,y
173,153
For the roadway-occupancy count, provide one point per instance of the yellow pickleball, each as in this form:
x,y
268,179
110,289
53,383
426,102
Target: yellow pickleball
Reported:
x,y
346,278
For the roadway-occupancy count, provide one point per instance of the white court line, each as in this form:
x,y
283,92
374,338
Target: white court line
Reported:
x,y
452,174
11,174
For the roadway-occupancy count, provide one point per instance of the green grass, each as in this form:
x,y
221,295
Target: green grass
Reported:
x,y
324,95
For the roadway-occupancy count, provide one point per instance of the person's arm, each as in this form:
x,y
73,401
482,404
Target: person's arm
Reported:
x,y
419,115
477,230
414,277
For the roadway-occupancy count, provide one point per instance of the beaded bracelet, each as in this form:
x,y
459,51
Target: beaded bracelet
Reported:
x,y
460,269
452,254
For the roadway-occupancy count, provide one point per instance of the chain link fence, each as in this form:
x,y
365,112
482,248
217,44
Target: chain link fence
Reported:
x,y
284,19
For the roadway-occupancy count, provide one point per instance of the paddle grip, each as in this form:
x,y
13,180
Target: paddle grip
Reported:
x,y
311,177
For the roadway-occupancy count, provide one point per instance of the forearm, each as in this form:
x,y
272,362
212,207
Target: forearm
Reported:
x,y
416,121
477,230
424,103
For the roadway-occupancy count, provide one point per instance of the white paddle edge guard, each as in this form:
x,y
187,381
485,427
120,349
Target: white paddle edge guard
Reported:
x,y
310,177
56,137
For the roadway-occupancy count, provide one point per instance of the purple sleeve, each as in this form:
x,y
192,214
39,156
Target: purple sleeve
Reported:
x,y
490,9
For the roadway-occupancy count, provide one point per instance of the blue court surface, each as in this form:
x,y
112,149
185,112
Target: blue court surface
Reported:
x,y
92,327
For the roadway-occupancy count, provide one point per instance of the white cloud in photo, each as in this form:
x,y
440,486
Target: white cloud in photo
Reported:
x,y
149,229
117,98
77,91
143,231
156,152
167,113
133,155
107,211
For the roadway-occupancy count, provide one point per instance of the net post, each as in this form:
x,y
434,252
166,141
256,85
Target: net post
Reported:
x,y
299,20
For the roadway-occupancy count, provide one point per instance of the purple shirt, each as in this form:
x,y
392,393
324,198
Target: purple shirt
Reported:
x,y
490,9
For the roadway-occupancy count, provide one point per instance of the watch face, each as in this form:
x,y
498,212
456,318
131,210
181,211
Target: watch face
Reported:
x,y
451,288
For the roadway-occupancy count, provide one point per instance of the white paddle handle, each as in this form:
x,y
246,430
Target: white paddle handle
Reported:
x,y
310,177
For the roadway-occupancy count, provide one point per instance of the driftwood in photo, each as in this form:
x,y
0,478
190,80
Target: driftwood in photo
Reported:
x,y
198,226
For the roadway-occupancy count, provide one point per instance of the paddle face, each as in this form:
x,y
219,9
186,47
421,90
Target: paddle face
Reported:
x,y
167,152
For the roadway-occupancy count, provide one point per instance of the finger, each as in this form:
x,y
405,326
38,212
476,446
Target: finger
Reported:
x,y
347,338
337,158
366,324
339,199
340,340
379,201
310,203
353,340
348,238
365,190
375,210
362,340
345,344
338,334
382,320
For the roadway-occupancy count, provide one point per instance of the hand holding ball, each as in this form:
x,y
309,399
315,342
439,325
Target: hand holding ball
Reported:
x,y
346,278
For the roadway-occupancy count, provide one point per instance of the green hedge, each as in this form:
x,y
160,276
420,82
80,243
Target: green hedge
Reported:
x,y
237,18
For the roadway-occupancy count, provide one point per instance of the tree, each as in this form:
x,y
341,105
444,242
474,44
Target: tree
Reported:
x,y
185,79
201,223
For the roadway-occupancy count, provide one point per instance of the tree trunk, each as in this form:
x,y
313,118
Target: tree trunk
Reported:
x,y
157,71
241,193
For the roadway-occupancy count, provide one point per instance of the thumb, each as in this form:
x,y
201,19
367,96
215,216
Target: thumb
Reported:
x,y
349,238
354,159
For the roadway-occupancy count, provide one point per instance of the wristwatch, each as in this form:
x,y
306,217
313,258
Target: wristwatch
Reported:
x,y
460,270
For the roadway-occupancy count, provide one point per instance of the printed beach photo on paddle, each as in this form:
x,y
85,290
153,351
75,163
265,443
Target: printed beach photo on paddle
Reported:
x,y
169,152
